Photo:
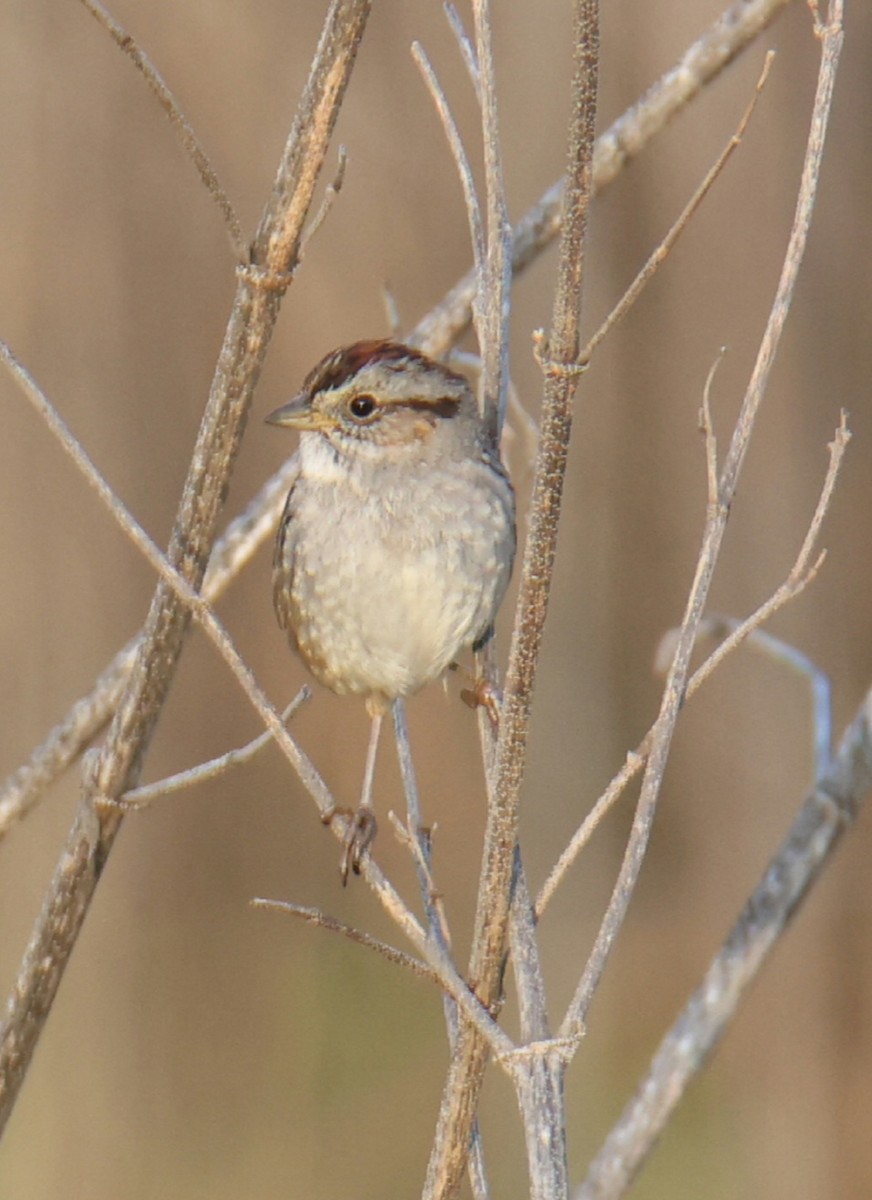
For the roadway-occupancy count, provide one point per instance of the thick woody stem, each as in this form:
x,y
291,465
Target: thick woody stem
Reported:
x,y
255,308
467,1068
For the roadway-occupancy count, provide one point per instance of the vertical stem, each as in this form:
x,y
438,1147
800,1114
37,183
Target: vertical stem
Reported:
x,y
462,1089
538,1075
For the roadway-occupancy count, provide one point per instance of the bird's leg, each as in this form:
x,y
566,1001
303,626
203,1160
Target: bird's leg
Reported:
x,y
483,694
362,825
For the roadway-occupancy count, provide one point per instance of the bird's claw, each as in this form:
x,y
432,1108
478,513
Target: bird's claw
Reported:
x,y
484,695
360,830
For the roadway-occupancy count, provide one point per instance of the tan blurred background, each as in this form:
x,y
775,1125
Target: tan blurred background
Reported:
x,y
202,1049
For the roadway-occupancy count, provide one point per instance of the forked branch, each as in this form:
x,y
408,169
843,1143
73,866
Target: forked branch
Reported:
x,y
831,807
800,575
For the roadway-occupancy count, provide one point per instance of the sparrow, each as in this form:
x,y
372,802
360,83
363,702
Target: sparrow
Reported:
x,y
397,538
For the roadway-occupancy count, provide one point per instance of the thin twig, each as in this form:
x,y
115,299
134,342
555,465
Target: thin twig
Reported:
x,y
492,297
492,259
392,313
803,570
656,259
178,120
708,430
330,195
455,142
675,689
539,553
89,715
315,917
143,796
526,962
417,838
467,49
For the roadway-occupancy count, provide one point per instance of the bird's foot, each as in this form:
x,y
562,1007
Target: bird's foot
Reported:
x,y
484,695
360,830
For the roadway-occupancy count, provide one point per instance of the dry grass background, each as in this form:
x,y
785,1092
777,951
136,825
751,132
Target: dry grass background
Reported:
x,y
199,1048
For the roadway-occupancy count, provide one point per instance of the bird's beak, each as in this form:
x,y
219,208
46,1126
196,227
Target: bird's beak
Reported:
x,y
297,414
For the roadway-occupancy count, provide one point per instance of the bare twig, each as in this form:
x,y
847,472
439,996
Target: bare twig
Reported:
x,y
455,142
141,797
330,195
717,627
648,271
491,305
526,964
491,310
803,570
392,312
551,462
315,917
178,120
674,692
738,26
800,575
116,768
711,441
467,49
417,838
829,810
242,538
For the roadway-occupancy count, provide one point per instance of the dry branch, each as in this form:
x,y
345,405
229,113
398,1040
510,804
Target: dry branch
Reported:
x,y
89,715
252,319
831,807
145,794
800,575
659,254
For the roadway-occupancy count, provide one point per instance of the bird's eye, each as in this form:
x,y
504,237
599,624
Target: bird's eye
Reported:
x,y
362,407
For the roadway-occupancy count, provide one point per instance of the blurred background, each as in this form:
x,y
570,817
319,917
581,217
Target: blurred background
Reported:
x,y
199,1048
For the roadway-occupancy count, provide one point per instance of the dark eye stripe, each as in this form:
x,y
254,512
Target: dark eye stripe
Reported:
x,y
444,406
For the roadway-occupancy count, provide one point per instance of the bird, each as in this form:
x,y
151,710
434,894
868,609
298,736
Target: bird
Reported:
x,y
397,539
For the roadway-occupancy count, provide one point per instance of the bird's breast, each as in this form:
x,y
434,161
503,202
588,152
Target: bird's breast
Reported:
x,y
389,578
